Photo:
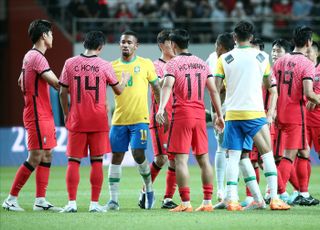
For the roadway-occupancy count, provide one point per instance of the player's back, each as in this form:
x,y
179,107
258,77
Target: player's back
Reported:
x,y
190,73
37,105
87,78
290,71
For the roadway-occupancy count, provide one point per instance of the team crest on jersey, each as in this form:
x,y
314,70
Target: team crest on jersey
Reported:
x,y
137,69
229,59
260,57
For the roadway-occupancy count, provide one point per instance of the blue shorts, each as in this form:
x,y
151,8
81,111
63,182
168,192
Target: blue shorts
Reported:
x,y
237,134
122,135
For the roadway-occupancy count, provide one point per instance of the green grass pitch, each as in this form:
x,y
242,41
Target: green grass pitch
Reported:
x,y
131,216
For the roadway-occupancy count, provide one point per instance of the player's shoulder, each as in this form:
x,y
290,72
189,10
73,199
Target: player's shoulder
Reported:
x,y
144,61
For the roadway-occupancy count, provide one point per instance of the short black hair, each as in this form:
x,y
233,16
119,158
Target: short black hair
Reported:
x,y
163,36
226,40
301,35
93,40
181,37
244,30
286,45
130,32
258,42
37,28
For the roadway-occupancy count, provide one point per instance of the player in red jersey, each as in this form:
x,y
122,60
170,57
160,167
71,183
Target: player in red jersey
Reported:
x,y
158,134
85,77
294,73
187,76
34,80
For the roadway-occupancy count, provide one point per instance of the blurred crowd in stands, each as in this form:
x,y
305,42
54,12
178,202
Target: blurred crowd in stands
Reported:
x,y
202,17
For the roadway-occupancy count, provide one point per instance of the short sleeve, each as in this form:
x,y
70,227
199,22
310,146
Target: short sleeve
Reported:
x,y
41,64
64,78
111,75
219,69
267,70
309,71
170,69
152,75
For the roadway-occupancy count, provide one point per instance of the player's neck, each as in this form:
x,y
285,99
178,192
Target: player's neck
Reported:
x,y
166,57
42,48
91,53
129,58
180,51
243,44
302,50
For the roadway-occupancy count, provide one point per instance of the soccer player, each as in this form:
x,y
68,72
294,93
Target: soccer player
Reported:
x,y
158,135
186,76
294,73
224,43
85,77
34,80
131,117
245,115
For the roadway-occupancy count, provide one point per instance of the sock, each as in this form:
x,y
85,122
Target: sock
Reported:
x,y
232,173
284,169
309,170
270,172
42,178
171,183
21,178
293,177
220,168
154,169
72,179
184,194
281,186
144,171
257,173
207,191
250,179
115,172
96,179
305,194
302,173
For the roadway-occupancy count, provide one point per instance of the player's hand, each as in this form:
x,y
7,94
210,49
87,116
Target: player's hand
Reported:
x,y
311,106
125,77
160,118
219,124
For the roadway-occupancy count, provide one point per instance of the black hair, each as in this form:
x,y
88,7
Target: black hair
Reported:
x,y
301,35
244,30
93,40
37,28
286,45
130,32
258,42
181,37
226,40
163,36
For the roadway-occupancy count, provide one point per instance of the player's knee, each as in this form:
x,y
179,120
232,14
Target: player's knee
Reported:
x,y
47,156
161,160
138,155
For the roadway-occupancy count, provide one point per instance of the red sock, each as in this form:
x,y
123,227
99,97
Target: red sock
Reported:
x,y
154,170
42,178
281,187
302,173
284,169
171,183
309,170
72,179
207,191
293,177
96,179
184,194
21,178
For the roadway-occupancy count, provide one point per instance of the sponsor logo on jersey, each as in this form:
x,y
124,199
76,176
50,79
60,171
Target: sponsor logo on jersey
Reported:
x,y
229,59
260,57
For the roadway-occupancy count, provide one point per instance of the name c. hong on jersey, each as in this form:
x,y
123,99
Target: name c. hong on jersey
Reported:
x,y
87,68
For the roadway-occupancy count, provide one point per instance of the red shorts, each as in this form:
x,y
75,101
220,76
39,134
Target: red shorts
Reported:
x,y
160,141
41,134
313,136
188,132
78,144
291,136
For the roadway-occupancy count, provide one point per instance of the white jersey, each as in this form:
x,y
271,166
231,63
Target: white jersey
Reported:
x,y
243,69
212,62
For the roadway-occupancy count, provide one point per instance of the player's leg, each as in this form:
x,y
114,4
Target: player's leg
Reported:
x,y
119,140
77,148
171,184
261,137
220,167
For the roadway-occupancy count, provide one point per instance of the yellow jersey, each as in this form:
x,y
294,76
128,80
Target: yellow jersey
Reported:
x,y
131,107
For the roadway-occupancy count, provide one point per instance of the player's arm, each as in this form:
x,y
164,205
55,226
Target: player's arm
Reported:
x,y
63,96
155,86
119,87
51,78
309,93
273,103
161,81
215,99
164,98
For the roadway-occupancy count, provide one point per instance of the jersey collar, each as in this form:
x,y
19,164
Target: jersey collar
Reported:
x,y
88,56
185,54
296,53
160,59
37,50
128,62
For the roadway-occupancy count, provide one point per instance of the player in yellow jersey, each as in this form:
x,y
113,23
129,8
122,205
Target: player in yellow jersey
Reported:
x,y
131,117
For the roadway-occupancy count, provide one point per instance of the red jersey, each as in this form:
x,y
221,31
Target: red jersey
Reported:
x,y
290,71
35,89
160,69
313,118
190,73
87,78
